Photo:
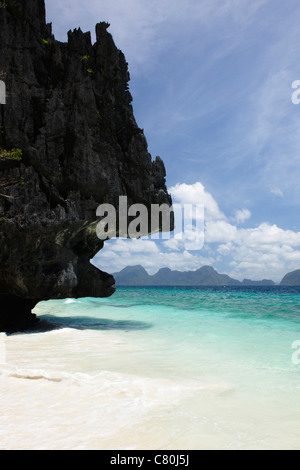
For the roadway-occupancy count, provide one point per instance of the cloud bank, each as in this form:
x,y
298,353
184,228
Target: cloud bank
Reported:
x,y
264,251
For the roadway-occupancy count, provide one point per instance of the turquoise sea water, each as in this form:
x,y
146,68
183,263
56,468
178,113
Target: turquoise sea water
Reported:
x,y
157,368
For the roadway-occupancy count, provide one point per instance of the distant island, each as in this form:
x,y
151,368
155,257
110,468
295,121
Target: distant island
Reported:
x,y
205,276
291,279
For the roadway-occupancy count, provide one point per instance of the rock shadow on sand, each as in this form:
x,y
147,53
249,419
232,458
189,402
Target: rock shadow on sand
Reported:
x,y
48,323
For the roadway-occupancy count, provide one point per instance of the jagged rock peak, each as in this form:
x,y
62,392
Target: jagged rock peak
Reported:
x,y
68,142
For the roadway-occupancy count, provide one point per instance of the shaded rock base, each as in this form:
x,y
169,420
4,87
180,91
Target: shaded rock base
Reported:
x,y
16,314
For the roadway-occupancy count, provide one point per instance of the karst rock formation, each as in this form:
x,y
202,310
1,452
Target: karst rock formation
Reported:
x,y
68,143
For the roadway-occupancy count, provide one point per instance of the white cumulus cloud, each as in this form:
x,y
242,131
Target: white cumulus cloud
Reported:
x,y
264,251
242,215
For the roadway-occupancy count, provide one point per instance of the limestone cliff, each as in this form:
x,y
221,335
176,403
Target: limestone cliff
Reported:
x,y
68,142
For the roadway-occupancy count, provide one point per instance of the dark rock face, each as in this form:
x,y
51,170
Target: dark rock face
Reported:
x,y
68,109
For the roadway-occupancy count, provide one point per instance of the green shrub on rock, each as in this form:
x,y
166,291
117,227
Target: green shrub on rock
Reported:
x,y
13,154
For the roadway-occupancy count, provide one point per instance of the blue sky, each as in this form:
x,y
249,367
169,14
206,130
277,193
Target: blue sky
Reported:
x,y
212,83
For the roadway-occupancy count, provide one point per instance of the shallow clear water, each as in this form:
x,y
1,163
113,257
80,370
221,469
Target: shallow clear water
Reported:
x,y
156,368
